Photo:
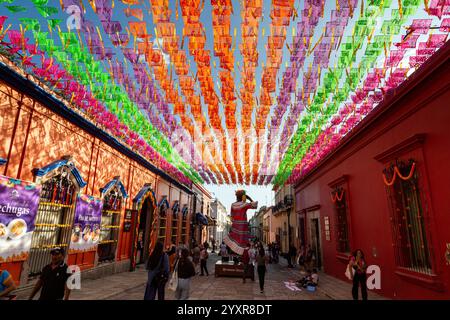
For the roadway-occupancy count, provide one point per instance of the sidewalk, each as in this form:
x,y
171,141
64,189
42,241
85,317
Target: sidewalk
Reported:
x,y
102,288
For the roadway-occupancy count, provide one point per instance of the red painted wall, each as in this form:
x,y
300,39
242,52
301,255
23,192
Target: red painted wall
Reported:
x,y
423,108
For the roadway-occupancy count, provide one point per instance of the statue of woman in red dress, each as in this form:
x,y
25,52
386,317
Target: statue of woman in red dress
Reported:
x,y
239,235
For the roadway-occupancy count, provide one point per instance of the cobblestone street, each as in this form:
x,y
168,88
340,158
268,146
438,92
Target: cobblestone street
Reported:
x,y
131,286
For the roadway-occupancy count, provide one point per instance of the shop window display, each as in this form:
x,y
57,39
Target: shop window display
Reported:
x,y
55,216
184,222
175,213
163,208
112,209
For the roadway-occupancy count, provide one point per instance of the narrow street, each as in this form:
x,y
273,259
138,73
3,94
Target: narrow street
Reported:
x,y
131,286
316,129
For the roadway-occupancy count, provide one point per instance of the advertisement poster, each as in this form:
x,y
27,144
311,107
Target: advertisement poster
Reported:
x,y
86,228
19,201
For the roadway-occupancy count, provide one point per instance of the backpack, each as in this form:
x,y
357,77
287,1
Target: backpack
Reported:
x,y
349,272
160,277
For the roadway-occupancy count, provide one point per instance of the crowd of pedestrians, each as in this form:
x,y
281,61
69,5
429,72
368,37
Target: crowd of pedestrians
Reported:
x,y
178,265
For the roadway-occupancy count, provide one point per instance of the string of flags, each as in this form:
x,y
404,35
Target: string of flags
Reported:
x,y
211,92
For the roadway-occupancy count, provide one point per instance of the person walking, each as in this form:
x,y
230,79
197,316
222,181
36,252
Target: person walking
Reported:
x,y
7,285
246,262
359,266
172,254
203,260
309,258
196,257
224,252
180,247
275,252
213,244
252,254
270,248
158,273
186,271
206,245
261,261
301,258
53,279
292,254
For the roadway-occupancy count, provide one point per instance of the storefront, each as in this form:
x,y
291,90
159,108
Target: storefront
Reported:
x,y
185,224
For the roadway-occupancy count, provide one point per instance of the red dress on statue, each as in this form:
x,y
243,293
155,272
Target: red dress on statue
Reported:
x,y
239,235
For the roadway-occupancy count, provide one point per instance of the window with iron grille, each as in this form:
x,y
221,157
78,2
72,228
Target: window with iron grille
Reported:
x,y
54,217
184,223
339,199
162,229
163,208
175,214
412,248
112,208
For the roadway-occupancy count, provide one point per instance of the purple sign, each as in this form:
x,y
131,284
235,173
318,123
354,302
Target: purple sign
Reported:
x,y
86,227
19,201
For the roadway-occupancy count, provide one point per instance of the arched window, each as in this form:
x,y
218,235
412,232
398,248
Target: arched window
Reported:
x,y
184,214
175,214
185,211
145,205
61,181
163,206
113,194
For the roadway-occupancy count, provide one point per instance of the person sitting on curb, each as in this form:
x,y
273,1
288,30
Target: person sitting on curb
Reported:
x,y
314,279
303,282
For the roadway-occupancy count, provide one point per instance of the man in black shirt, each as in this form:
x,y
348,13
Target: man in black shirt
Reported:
x,y
53,279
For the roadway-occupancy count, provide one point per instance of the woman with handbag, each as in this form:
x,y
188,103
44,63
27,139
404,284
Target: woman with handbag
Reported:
x,y
158,273
358,269
185,271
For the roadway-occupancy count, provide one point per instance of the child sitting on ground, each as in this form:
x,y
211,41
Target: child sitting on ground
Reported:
x,y
303,282
314,279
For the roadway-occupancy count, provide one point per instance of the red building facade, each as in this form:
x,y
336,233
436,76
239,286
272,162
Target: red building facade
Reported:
x,y
385,190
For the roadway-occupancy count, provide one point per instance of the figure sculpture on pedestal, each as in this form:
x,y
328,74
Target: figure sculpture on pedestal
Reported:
x,y
239,235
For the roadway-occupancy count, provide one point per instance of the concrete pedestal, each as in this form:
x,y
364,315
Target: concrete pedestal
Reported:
x,y
229,269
